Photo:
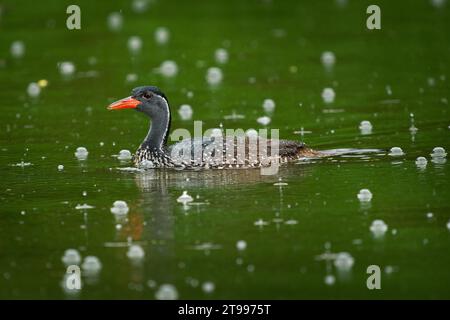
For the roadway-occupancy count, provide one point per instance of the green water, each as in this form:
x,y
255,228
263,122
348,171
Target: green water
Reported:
x,y
265,40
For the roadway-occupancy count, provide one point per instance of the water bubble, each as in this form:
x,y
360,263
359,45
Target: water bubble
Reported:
x,y
66,68
208,287
214,76
115,21
221,56
185,112
448,225
135,252
263,120
134,44
344,261
329,280
119,208
60,167
364,195
17,49
365,127
168,68
328,95
430,215
421,162
185,198
378,228
268,105
124,155
162,35
396,152
438,152
71,256
241,245
91,265
33,90
328,59
166,292
81,153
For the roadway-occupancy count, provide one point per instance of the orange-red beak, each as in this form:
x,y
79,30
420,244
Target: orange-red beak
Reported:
x,y
127,103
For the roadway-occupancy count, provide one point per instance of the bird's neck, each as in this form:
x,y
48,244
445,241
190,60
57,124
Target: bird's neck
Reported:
x,y
158,133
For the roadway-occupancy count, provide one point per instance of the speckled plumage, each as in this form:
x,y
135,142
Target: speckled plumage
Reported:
x,y
208,152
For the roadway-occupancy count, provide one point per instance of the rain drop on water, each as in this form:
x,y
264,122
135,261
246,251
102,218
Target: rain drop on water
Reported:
x,y
185,198
166,292
378,228
328,95
214,76
185,112
81,153
268,105
168,68
119,207
364,195
124,155
396,152
162,35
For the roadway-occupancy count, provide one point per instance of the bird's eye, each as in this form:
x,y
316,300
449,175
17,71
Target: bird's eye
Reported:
x,y
148,95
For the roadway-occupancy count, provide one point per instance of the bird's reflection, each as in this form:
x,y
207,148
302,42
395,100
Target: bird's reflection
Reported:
x,y
151,220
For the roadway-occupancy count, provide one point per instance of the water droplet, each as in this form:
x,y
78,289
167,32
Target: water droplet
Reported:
x,y
17,49
185,112
134,44
71,256
33,90
124,155
135,252
421,162
328,59
344,261
208,287
119,207
329,280
166,292
364,195
438,152
241,245
66,68
265,120
221,56
115,21
378,228
91,265
162,35
81,153
185,198
365,127
214,76
268,105
328,95
396,152
168,68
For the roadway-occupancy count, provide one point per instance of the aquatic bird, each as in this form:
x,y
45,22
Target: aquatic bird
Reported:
x,y
154,152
